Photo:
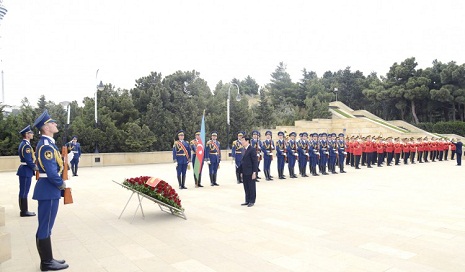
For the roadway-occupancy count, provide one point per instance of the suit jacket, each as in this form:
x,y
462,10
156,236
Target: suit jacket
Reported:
x,y
249,161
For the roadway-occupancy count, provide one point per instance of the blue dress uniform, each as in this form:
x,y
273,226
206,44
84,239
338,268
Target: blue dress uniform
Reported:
x,y
333,154
236,151
302,148
281,154
213,154
292,154
267,149
25,170
75,148
458,151
314,152
323,153
341,149
256,143
48,191
181,156
193,145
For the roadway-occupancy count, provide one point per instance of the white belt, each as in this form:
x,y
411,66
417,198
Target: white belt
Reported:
x,y
23,163
75,152
42,175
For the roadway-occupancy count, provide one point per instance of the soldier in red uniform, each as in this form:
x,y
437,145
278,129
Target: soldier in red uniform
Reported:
x,y
413,150
397,150
405,150
426,149
440,148
389,150
380,151
433,149
452,150
357,152
369,151
420,149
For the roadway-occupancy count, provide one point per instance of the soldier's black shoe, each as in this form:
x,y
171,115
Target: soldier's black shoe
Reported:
x,y
343,171
216,184
200,185
334,172
245,204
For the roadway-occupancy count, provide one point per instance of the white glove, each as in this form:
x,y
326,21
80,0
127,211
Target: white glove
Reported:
x,y
174,161
63,186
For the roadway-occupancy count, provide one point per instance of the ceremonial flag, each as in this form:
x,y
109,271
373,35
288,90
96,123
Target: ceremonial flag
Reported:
x,y
199,152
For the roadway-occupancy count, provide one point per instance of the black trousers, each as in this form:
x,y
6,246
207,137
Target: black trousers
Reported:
x,y
249,188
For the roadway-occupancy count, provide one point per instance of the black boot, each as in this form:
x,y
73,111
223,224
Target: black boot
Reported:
x,y
267,174
179,182
23,207
323,168
293,174
47,263
183,182
214,180
199,181
38,250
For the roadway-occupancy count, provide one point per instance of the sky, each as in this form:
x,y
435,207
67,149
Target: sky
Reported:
x,y
55,47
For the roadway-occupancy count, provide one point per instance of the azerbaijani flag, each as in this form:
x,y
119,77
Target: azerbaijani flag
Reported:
x,y
199,152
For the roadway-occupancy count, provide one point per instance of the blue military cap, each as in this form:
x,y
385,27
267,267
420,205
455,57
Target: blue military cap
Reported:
x,y
197,132
280,133
315,134
180,133
75,137
300,134
268,133
214,133
292,134
255,132
304,134
333,134
341,134
43,119
26,130
324,134
240,133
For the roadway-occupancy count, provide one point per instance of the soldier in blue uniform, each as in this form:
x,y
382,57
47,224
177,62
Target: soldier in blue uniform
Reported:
x,y
48,190
25,170
458,150
314,152
292,154
193,145
302,148
181,156
333,153
236,152
75,148
341,149
213,155
267,149
324,154
257,144
281,154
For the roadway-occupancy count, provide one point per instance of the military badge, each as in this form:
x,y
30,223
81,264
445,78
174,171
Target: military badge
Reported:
x,y
28,150
48,155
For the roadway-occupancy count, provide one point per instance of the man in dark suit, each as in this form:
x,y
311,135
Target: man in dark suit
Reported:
x,y
458,150
248,170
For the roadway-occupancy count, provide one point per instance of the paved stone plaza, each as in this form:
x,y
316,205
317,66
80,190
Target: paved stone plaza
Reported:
x,y
399,218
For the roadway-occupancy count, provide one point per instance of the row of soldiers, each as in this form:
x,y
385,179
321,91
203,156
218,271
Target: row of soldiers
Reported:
x,y
322,153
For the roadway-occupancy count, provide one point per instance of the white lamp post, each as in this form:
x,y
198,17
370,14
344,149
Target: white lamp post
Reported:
x,y
238,98
100,87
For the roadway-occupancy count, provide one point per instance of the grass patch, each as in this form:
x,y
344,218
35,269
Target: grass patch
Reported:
x,y
389,125
342,113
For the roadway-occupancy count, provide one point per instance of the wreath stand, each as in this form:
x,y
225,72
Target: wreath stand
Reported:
x,y
163,206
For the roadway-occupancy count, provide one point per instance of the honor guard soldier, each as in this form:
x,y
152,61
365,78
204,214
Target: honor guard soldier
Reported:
x,y
341,150
397,150
302,148
257,144
357,151
267,149
26,170
380,148
236,152
452,150
389,151
213,154
420,149
281,154
181,156
292,154
193,145
48,190
333,153
314,152
458,149
426,149
75,148
323,153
